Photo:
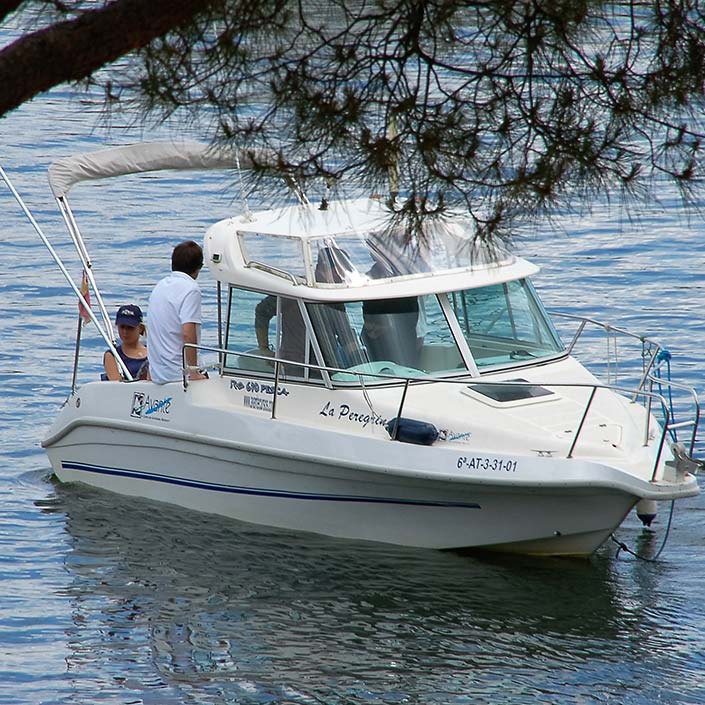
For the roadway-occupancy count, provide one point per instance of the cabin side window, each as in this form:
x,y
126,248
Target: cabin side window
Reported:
x,y
265,326
242,336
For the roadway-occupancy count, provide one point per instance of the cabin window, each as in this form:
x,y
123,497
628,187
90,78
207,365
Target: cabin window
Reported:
x,y
505,324
439,352
284,255
337,328
241,333
266,325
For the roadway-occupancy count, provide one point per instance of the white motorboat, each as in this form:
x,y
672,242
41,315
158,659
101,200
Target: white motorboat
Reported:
x,y
377,386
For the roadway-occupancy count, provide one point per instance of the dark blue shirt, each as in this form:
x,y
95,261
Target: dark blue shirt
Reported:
x,y
134,364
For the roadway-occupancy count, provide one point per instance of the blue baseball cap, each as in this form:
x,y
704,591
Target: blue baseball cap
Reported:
x,y
130,315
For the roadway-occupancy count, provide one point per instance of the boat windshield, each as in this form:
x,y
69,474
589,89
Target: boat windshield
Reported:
x,y
501,325
505,324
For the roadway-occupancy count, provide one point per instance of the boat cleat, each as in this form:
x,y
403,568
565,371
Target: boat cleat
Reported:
x,y
681,465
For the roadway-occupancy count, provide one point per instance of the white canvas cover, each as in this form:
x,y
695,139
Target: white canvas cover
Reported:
x,y
137,158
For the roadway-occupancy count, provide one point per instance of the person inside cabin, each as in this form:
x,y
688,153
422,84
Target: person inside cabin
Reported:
x,y
390,326
389,331
130,327
175,317
293,337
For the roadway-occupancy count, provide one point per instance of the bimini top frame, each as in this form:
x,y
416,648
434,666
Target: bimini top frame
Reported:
x,y
119,161
65,173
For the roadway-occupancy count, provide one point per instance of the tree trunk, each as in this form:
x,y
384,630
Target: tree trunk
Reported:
x,y
74,49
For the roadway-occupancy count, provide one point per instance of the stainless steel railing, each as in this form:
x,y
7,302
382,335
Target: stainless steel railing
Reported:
x,y
651,362
649,396
649,348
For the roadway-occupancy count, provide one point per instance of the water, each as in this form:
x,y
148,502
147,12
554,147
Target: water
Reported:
x,y
105,599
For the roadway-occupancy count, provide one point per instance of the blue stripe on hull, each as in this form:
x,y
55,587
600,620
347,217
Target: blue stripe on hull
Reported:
x,y
259,492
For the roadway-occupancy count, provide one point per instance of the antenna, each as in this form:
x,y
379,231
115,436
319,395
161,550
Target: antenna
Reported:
x,y
243,195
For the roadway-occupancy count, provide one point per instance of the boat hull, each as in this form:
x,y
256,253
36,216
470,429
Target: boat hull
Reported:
x,y
330,499
198,449
422,514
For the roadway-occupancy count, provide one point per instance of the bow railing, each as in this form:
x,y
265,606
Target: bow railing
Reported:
x,y
649,397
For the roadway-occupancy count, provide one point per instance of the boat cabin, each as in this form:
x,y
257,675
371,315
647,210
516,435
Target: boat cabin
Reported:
x,y
347,289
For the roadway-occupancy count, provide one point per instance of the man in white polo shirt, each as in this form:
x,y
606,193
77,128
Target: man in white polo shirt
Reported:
x,y
175,316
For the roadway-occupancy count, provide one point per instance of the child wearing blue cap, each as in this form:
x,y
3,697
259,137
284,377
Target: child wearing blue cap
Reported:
x,y
130,326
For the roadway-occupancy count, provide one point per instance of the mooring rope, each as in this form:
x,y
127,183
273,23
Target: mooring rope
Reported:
x,y
626,549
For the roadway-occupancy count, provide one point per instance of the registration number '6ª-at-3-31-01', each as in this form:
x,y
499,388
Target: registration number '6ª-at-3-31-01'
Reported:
x,y
478,462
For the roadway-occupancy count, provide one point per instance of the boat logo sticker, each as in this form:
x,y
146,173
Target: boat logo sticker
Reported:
x,y
137,404
143,406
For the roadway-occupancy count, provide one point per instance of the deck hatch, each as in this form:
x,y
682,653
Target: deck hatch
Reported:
x,y
508,392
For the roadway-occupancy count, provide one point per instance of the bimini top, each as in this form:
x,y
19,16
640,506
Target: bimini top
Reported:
x,y
139,158
354,249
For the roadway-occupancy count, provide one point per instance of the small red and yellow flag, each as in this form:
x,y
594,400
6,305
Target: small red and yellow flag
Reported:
x,y
82,310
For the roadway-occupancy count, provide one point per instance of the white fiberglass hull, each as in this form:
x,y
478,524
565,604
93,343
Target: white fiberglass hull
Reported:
x,y
223,459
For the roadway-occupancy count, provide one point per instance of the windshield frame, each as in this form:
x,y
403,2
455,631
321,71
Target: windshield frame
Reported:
x,y
436,349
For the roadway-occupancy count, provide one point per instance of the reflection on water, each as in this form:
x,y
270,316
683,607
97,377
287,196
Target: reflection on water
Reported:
x,y
198,608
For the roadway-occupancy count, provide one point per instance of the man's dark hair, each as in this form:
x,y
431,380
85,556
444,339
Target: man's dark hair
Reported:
x,y
187,257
